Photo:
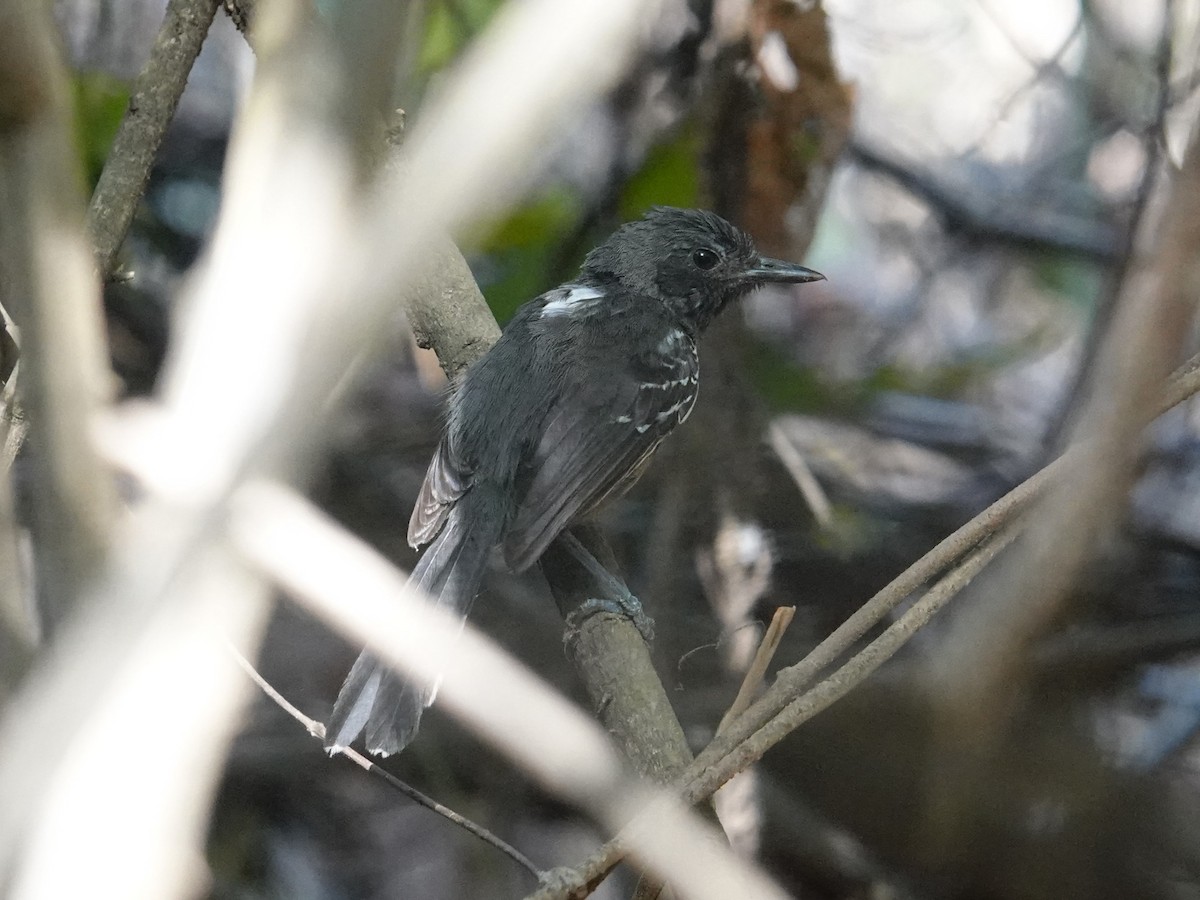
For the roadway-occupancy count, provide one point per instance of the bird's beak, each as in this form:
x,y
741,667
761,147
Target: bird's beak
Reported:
x,y
776,271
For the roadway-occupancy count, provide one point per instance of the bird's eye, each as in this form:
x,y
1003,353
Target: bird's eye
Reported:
x,y
705,258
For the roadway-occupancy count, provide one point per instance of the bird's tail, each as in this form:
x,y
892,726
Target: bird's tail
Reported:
x,y
375,701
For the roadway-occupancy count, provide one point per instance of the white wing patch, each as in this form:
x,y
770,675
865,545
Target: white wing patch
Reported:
x,y
570,300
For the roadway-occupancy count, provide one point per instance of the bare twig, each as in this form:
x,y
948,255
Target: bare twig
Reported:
x,y
757,671
156,93
793,460
317,730
850,675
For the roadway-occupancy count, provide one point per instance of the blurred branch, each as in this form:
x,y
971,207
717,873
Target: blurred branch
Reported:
x,y
1101,648
317,730
983,664
793,460
966,211
18,617
134,767
134,665
357,591
1152,319
152,103
1101,323
47,287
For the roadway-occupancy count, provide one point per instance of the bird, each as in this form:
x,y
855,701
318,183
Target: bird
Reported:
x,y
562,413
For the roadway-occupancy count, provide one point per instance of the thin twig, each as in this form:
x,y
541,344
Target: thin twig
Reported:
x,y
793,460
757,671
156,93
317,730
850,675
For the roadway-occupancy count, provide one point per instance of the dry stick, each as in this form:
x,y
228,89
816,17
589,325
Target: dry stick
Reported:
x,y
1184,383
152,104
317,730
793,460
848,676
795,678
757,671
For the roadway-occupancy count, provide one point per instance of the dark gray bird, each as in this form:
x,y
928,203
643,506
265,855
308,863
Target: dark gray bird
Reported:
x,y
563,412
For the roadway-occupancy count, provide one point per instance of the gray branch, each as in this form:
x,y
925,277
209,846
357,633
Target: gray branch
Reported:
x,y
152,104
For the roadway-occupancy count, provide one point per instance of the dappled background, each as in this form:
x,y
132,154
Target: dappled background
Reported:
x,y
969,175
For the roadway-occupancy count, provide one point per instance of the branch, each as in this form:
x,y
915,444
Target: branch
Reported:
x,y
702,779
995,219
1102,319
156,93
447,312
317,730
615,664
46,284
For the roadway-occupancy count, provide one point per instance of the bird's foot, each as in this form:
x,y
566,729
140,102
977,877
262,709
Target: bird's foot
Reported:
x,y
625,605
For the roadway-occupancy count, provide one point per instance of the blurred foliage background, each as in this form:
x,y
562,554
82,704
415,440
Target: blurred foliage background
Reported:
x,y
968,174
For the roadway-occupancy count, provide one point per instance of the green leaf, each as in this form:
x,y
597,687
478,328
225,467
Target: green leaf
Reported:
x,y
100,102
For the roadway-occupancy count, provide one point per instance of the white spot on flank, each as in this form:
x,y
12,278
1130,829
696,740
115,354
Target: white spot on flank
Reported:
x,y
641,429
671,410
622,420
569,300
669,344
666,385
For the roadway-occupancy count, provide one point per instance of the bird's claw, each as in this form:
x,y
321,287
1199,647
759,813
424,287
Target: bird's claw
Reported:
x,y
625,605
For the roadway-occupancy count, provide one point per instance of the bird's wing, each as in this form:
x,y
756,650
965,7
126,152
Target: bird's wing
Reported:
x,y
595,442
446,480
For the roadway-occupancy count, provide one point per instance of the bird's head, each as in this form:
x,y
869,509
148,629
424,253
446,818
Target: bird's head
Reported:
x,y
693,261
